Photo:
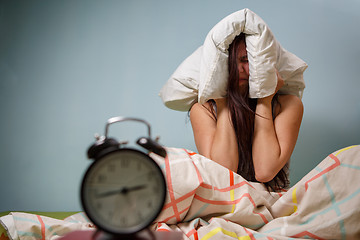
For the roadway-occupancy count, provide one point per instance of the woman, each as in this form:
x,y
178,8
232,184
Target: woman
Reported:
x,y
253,137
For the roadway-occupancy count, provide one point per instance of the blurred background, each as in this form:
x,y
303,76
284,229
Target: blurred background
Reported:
x,y
67,66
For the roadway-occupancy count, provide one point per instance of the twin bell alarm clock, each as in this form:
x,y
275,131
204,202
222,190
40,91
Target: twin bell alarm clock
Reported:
x,y
124,189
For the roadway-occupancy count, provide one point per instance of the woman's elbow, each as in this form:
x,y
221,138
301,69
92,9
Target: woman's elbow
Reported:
x,y
264,176
265,172
230,163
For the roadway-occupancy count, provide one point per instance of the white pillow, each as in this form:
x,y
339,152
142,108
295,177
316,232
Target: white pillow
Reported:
x,y
205,72
181,91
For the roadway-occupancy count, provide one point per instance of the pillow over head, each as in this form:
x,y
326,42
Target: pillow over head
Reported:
x,y
209,63
180,92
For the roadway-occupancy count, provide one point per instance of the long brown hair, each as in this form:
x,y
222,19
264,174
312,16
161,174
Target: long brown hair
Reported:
x,y
242,111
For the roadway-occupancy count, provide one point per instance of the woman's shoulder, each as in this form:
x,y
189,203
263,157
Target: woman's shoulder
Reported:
x,y
202,110
198,106
290,102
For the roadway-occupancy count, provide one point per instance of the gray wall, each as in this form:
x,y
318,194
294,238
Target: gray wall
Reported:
x,y
67,66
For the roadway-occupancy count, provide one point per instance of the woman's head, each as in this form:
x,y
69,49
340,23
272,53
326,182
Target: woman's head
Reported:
x,y
238,65
239,60
242,110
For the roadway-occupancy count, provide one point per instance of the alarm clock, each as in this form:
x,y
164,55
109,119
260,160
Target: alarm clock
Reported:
x,y
123,191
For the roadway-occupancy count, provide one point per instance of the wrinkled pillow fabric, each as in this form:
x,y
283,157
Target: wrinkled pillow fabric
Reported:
x,y
204,74
265,54
181,91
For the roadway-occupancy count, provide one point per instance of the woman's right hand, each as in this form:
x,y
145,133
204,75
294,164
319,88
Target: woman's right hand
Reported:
x,y
221,103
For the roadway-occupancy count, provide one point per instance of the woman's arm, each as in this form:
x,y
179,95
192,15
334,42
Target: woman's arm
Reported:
x,y
215,140
273,143
274,140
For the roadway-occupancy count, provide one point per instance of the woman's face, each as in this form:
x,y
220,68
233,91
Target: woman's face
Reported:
x,y
242,63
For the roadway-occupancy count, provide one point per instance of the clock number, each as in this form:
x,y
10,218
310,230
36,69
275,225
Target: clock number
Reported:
x,y
111,168
123,221
139,166
140,217
111,214
156,189
149,204
101,178
125,163
150,176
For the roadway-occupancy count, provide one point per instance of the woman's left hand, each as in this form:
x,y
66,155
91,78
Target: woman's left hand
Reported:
x,y
275,136
280,82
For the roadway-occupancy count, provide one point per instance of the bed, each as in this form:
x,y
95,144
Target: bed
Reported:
x,y
54,215
207,201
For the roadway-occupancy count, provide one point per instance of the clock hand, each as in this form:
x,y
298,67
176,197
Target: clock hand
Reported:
x,y
123,190
109,193
137,177
126,190
135,188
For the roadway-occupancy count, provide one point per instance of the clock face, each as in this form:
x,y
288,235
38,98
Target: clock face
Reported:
x,y
123,192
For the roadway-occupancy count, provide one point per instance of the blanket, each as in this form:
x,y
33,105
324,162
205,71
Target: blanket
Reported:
x,y
207,201
23,225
